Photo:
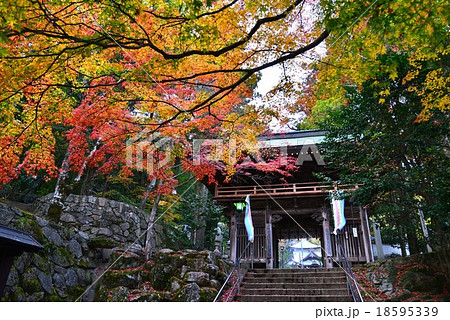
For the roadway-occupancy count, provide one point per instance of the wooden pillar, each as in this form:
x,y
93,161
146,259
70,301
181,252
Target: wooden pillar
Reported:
x,y
269,238
233,236
366,234
328,262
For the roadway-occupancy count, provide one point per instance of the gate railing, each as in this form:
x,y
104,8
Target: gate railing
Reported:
x,y
240,275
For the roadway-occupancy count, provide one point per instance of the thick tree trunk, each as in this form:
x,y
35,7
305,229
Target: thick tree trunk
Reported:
x,y
150,237
202,192
401,237
86,188
412,240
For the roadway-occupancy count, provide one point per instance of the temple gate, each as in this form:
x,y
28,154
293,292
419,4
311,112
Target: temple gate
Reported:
x,y
298,208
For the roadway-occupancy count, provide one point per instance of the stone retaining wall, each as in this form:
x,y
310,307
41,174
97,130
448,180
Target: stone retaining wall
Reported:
x,y
59,272
77,244
99,218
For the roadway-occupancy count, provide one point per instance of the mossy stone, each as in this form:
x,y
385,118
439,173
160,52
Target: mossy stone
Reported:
x,y
41,262
31,285
54,298
160,276
188,293
118,294
102,243
161,257
62,257
126,278
196,264
177,260
418,281
125,260
85,262
18,295
402,297
74,292
203,255
102,295
54,211
207,294
29,224
146,297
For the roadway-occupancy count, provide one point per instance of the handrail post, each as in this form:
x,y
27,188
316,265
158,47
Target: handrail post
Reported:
x,y
253,248
239,278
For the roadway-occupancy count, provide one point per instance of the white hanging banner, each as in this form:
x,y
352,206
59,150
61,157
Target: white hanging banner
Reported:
x,y
248,220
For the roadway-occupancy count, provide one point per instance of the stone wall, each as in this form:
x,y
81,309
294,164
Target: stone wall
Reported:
x,y
116,222
59,272
89,235
77,240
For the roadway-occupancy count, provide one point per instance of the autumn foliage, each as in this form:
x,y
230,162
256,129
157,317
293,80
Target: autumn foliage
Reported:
x,y
107,71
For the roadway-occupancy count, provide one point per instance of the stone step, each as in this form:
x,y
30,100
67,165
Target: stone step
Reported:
x,y
290,285
293,279
293,298
284,285
295,274
315,270
294,292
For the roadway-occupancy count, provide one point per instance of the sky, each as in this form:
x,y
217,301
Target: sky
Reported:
x,y
270,77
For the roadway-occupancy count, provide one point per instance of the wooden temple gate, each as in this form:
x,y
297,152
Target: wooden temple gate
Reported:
x,y
303,213
297,209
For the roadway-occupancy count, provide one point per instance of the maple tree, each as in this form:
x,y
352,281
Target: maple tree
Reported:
x,y
184,67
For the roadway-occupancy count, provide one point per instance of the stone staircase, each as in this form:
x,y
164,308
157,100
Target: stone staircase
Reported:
x,y
301,285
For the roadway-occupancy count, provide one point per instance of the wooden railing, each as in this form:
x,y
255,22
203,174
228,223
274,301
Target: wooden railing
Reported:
x,y
308,188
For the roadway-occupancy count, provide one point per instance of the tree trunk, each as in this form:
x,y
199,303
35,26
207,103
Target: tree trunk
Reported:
x,y
202,193
86,187
150,237
150,187
412,240
58,193
83,167
425,231
401,237
444,248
